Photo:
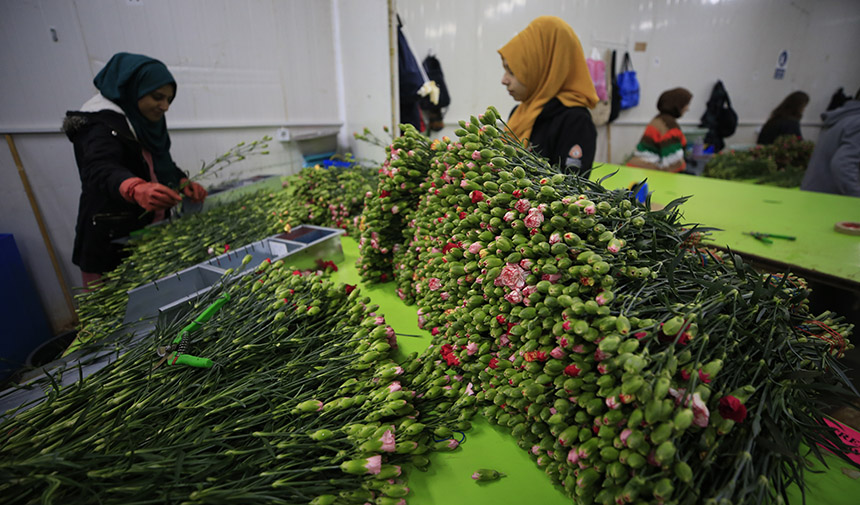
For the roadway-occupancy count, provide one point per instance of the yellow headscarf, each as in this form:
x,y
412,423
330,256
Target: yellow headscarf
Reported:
x,y
548,59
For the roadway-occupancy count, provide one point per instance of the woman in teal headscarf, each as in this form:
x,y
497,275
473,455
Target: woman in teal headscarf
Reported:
x,y
122,149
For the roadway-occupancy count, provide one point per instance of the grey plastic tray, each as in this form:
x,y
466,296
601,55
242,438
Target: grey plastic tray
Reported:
x,y
144,301
320,243
269,248
302,248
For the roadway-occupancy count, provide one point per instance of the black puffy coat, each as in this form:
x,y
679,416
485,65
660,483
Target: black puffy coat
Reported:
x,y
107,153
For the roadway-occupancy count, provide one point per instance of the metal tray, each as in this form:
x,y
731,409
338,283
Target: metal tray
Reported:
x,y
302,248
320,244
144,301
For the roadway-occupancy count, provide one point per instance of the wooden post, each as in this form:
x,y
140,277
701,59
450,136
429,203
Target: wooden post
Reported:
x,y
42,228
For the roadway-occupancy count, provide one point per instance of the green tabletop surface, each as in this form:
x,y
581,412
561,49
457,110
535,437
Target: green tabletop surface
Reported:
x,y
448,480
737,207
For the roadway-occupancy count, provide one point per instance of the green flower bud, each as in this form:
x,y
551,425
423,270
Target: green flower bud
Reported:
x,y
487,475
321,435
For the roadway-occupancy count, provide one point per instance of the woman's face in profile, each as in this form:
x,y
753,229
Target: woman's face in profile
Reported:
x,y
515,88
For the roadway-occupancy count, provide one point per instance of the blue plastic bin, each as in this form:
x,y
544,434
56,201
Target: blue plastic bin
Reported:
x,y
25,326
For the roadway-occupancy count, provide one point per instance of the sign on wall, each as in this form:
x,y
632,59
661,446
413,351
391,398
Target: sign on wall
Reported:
x,y
781,65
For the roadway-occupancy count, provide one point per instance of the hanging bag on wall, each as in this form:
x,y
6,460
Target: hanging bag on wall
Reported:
x,y
614,93
602,111
628,85
838,99
597,69
719,118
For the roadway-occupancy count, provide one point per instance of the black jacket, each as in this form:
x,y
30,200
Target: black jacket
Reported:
x,y
107,153
776,128
566,136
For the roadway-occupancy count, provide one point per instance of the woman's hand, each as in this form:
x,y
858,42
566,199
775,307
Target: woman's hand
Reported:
x,y
192,190
151,196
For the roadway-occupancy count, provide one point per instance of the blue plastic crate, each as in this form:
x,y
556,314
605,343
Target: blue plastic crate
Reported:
x,y
25,326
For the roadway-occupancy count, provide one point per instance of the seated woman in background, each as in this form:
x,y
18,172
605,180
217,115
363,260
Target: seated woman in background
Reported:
x,y
662,145
785,118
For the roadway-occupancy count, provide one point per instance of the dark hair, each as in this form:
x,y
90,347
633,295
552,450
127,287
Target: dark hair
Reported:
x,y
671,103
791,107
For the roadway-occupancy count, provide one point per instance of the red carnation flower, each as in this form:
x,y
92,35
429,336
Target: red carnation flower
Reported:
x,y
535,356
383,194
572,370
494,363
450,245
477,196
732,408
349,288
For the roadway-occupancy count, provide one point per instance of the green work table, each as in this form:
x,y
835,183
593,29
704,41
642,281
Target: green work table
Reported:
x,y
448,480
737,207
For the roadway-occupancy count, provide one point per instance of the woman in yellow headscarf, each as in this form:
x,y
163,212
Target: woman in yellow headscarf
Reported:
x,y
545,71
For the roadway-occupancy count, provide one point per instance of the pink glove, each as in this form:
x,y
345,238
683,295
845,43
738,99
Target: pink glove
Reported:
x,y
149,195
194,191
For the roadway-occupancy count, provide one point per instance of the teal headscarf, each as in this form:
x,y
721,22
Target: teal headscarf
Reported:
x,y
126,79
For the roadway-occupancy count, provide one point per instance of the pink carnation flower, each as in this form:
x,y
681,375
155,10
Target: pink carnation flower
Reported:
x,y
387,440
513,276
434,284
514,297
522,205
374,464
534,218
700,412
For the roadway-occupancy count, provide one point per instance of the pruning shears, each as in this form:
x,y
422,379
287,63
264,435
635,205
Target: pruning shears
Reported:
x,y
766,237
174,354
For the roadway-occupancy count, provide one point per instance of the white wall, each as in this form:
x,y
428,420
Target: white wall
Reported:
x,y
363,30
689,43
243,69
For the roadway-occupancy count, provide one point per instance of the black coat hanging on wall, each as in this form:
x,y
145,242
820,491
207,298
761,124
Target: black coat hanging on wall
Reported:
x,y
719,118
435,113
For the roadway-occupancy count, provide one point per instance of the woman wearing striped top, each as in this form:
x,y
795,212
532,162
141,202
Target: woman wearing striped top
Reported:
x,y
662,145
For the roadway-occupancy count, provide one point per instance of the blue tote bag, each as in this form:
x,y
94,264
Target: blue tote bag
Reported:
x,y
628,85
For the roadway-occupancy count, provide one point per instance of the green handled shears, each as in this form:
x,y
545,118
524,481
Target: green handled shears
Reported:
x,y
766,237
180,343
